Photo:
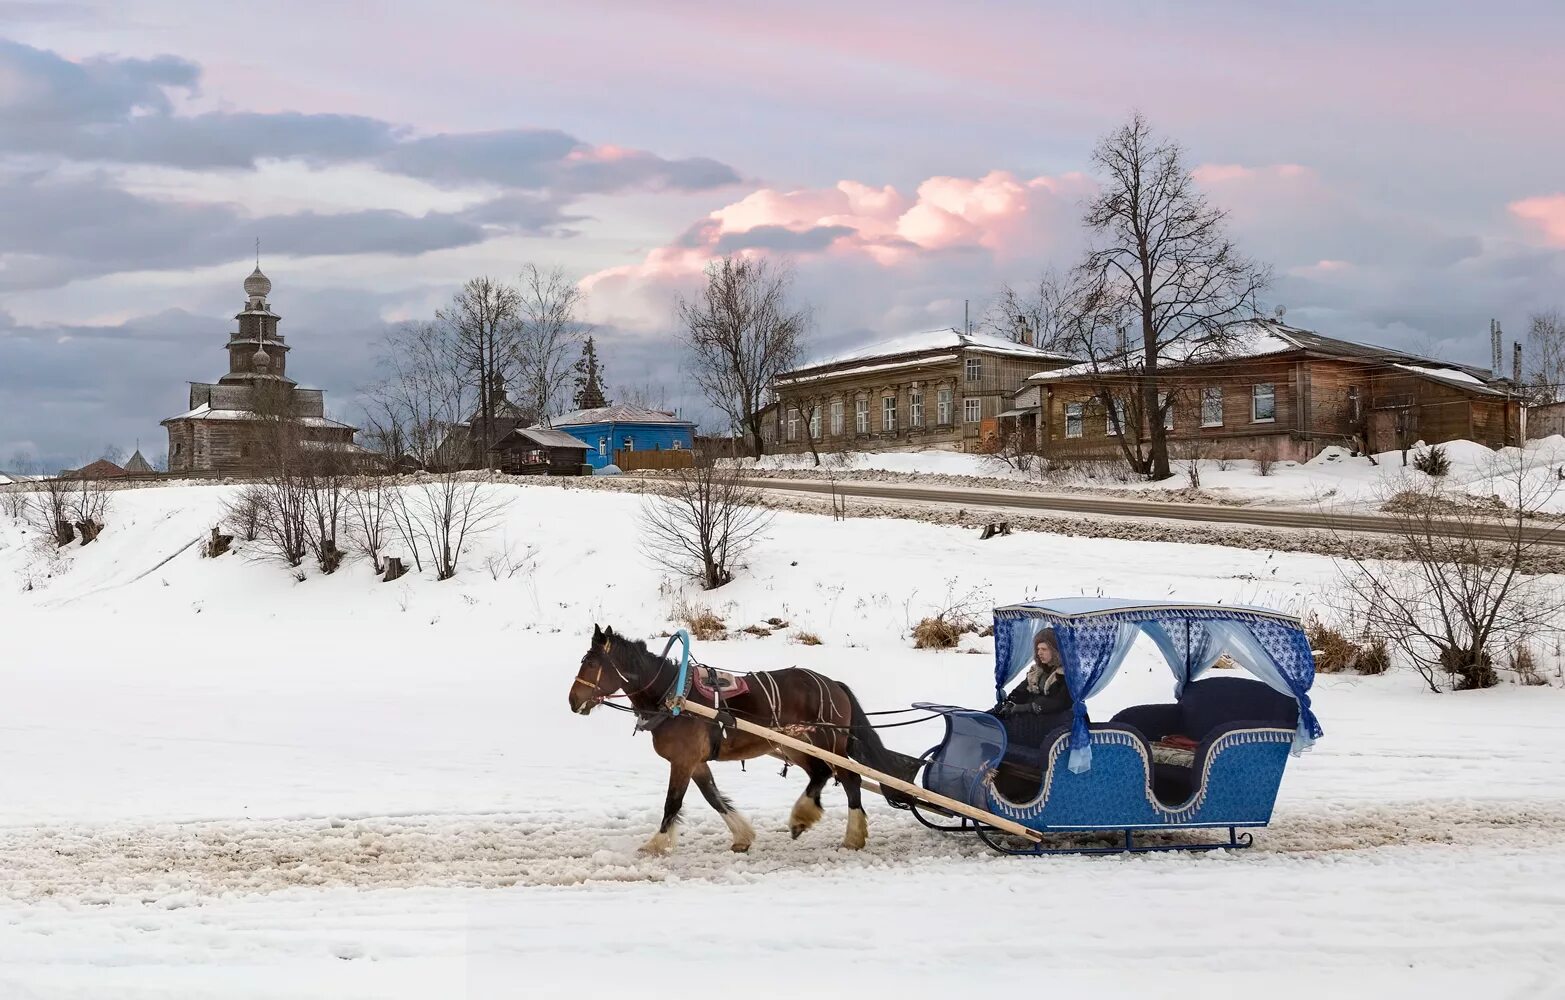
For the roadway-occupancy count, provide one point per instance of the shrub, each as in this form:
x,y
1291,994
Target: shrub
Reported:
x,y
701,621
1526,666
1374,658
937,632
1334,652
807,638
1265,460
1432,462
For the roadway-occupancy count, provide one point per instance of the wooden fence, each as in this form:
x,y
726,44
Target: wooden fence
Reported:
x,y
632,461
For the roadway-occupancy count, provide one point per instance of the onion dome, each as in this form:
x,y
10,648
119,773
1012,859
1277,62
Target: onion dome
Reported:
x,y
257,285
260,360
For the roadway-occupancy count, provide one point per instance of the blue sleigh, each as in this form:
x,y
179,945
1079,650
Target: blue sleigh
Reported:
x,y
1232,736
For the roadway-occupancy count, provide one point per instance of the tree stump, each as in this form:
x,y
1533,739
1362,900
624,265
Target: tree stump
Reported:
x,y
64,534
89,530
990,530
217,545
394,569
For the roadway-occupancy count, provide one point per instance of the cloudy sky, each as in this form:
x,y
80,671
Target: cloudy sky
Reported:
x,y
1400,164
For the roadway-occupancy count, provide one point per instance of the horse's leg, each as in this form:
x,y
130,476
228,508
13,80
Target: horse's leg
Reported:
x,y
744,833
807,811
679,772
858,822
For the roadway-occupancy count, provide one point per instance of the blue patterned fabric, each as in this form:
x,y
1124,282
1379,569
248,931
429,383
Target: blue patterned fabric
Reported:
x,y
1095,635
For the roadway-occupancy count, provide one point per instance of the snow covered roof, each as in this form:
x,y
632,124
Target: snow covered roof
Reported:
x,y
619,413
544,437
1267,337
205,412
869,369
947,339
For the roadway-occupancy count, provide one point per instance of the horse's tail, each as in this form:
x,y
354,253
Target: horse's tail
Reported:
x,y
864,746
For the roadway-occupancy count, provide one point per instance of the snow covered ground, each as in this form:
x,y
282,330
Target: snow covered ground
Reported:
x,y
223,782
1333,477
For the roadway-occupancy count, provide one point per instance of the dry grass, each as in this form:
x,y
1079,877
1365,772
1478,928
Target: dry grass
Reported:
x,y
1335,653
1265,460
757,631
937,632
701,621
1525,666
1375,658
807,638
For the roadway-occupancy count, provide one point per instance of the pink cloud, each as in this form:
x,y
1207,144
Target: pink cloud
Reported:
x,y
1545,212
998,212
1222,173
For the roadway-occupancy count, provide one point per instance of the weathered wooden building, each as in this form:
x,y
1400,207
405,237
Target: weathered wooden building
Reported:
x,y
537,451
230,421
941,389
1283,392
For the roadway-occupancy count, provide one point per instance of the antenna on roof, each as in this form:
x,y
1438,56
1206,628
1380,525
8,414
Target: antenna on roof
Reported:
x,y
967,324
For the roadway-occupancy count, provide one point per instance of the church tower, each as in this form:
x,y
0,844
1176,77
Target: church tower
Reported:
x,y
257,351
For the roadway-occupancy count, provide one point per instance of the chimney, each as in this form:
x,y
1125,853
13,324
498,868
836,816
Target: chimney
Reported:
x,y
1495,349
1021,322
1516,362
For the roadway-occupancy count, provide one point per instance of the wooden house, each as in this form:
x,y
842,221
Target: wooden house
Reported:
x,y
1280,391
941,389
536,451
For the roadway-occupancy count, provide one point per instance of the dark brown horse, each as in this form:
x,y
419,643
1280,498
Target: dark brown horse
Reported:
x,y
800,703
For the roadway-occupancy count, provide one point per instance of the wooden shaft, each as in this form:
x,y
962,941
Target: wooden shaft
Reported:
x,y
886,780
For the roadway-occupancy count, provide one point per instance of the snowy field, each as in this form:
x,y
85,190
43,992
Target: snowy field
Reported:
x,y
222,782
1334,477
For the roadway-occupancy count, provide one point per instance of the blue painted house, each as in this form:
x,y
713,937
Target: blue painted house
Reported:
x,y
623,427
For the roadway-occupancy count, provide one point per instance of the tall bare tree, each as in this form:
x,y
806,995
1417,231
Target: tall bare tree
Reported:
x,y
1545,374
549,337
1162,254
741,333
423,391
484,336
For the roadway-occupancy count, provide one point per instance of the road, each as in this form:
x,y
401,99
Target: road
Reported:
x,y
1103,506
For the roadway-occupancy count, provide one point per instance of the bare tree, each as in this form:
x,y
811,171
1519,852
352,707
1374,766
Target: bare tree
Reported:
x,y
423,391
742,333
703,521
438,516
483,342
549,339
645,395
14,500
1163,260
88,508
113,453
1045,317
1545,374
1462,596
49,509
369,516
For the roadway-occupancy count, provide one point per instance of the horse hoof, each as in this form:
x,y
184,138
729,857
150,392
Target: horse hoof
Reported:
x,y
796,829
740,848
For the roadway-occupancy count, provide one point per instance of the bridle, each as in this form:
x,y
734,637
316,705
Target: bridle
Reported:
x,y
596,685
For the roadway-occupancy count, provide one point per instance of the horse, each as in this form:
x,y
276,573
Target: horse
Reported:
x,y
803,703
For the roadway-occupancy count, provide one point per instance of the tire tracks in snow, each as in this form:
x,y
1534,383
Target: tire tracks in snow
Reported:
x,y
180,863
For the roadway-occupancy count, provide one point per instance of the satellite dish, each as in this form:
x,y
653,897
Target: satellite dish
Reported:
x,y
1280,311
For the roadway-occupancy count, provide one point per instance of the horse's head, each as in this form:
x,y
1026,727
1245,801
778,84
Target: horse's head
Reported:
x,y
598,677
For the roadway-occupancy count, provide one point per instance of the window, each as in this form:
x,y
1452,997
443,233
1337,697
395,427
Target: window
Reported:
x,y
888,413
974,369
244,451
1115,419
972,410
1073,420
179,449
793,424
943,407
915,407
861,416
628,444
1212,406
678,444
1164,404
603,447
836,417
1263,403
815,422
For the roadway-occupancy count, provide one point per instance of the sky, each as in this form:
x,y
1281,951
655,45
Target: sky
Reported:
x,y
1399,165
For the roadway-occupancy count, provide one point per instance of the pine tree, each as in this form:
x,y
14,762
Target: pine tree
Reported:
x,y
589,379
